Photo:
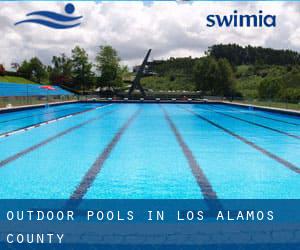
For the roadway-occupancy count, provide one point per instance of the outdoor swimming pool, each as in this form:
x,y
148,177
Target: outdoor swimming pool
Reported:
x,y
95,151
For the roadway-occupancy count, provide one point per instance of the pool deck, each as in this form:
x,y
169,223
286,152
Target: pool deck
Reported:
x,y
19,108
263,108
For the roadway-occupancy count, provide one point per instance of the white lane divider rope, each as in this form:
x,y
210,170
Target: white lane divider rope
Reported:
x,y
47,122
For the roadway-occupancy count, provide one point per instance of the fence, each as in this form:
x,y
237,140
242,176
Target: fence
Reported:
x,y
295,105
14,94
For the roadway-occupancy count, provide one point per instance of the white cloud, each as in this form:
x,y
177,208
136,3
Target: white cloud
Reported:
x,y
170,29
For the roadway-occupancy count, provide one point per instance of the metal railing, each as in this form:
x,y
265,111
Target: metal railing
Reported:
x,y
15,101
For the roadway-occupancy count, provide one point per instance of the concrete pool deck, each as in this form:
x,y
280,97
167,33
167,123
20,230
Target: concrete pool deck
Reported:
x,y
265,108
32,106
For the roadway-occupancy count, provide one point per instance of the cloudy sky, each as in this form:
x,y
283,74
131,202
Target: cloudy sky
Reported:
x,y
169,28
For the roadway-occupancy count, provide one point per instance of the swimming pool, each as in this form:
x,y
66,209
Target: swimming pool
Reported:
x,y
172,151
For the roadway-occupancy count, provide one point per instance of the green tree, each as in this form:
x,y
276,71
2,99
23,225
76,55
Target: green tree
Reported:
x,y
205,74
108,65
38,70
33,70
61,71
81,69
213,76
270,88
224,83
25,69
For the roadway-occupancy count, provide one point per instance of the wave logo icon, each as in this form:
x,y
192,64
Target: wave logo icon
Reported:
x,y
54,20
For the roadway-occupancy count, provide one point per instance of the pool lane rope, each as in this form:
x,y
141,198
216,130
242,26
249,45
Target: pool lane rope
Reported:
x,y
50,139
24,129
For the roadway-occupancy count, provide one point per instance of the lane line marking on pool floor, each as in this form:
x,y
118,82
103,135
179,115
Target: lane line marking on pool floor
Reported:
x,y
266,117
201,179
256,124
50,139
280,160
94,170
24,129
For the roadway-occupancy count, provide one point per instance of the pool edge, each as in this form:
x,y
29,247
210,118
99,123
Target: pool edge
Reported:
x,y
242,105
34,106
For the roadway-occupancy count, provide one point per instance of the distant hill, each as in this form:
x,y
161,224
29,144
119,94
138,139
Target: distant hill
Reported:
x,y
238,55
259,73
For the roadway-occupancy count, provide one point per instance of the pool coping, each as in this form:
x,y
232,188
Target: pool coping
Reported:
x,y
263,108
242,105
33,106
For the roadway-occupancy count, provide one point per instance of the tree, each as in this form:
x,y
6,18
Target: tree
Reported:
x,y
238,55
81,69
205,73
224,84
25,69
214,76
107,64
270,88
33,70
2,70
61,71
38,70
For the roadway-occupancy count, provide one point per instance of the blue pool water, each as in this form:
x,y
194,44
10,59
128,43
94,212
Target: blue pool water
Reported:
x,y
149,151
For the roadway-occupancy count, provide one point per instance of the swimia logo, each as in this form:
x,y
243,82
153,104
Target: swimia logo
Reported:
x,y
54,20
239,20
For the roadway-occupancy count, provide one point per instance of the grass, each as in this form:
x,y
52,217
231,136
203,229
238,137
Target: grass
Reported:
x,y
165,83
15,79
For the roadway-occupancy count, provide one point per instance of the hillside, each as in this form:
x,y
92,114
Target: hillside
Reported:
x,y
281,83
258,73
15,79
172,74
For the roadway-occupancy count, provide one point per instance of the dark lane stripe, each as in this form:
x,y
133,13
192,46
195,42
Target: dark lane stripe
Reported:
x,y
273,119
50,139
256,124
266,117
283,162
48,121
93,171
202,180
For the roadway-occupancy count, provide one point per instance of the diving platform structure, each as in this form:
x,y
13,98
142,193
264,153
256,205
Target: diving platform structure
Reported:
x,y
136,84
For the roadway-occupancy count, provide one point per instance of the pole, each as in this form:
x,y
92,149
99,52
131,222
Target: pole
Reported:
x,y
47,98
27,99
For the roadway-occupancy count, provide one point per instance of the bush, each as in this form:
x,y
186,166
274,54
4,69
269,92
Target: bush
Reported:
x,y
2,70
290,95
213,76
172,78
270,88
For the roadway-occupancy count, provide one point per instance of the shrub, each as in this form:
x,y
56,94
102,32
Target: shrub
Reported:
x,y
269,88
172,78
290,95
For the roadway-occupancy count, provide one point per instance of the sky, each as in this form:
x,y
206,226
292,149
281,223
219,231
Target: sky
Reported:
x,y
171,29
